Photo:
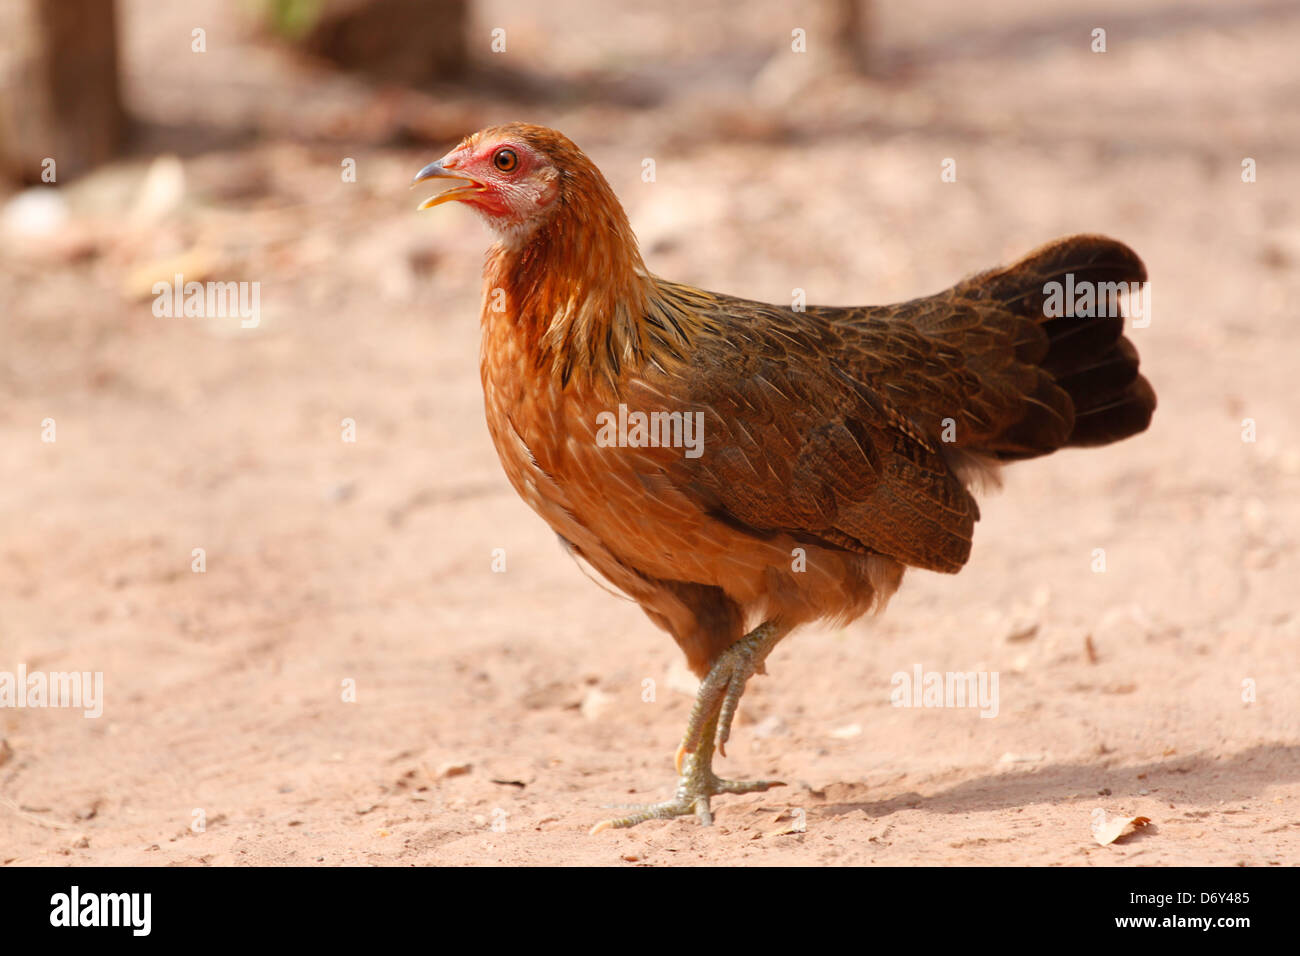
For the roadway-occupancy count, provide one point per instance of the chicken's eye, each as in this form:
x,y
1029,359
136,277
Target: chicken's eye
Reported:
x,y
505,160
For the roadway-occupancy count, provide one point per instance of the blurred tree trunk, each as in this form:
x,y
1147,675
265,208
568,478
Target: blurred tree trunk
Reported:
x,y
850,27
60,99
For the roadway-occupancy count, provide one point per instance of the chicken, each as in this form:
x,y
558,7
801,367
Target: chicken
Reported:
x,y
740,469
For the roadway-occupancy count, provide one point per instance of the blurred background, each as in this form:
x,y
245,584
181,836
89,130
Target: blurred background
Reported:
x,y
795,145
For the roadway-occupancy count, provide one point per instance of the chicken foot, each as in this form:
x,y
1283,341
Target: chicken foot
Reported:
x,y
709,726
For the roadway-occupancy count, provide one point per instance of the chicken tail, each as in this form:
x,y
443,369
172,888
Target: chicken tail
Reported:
x,y
1063,303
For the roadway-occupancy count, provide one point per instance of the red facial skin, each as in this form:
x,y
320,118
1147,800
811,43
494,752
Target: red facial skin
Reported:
x,y
508,182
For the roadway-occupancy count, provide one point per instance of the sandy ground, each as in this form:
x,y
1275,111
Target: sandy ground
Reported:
x,y
495,713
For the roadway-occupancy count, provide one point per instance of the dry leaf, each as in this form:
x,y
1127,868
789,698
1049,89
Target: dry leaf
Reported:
x,y
1107,831
798,823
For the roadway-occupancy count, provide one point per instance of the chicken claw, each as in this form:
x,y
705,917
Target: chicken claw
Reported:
x,y
696,785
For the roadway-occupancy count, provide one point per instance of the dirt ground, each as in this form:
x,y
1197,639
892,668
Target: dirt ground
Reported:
x,y
495,713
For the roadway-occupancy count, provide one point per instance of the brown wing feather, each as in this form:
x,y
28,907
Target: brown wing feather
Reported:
x,y
853,427
805,433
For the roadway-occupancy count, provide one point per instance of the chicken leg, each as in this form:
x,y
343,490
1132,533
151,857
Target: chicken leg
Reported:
x,y
709,726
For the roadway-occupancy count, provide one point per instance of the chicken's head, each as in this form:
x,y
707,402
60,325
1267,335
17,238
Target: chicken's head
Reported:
x,y
512,175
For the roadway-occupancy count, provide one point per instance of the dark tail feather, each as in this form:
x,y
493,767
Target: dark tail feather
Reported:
x,y
1088,358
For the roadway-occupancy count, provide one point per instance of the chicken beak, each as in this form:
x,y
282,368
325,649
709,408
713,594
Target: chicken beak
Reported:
x,y
437,170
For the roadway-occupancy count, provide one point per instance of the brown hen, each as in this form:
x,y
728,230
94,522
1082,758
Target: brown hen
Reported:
x,y
738,468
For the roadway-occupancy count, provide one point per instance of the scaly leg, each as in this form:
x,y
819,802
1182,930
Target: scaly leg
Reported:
x,y
710,723
721,689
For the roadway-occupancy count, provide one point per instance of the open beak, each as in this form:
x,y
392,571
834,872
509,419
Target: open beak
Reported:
x,y
436,170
